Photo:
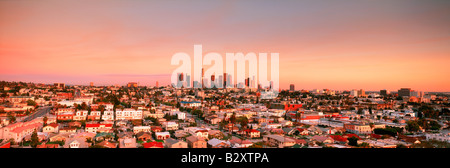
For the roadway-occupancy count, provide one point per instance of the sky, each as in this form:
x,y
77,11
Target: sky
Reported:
x,y
338,45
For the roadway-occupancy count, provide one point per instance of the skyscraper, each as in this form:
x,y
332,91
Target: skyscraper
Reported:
x,y
361,93
220,82
384,92
247,82
292,87
404,92
188,81
224,80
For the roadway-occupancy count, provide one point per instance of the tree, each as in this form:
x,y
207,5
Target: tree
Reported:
x,y
45,119
244,122
84,106
352,141
34,139
11,118
31,103
412,126
360,111
233,118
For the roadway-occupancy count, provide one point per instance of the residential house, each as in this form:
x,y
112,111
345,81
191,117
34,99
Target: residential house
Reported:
x,y
80,115
102,136
51,128
252,133
173,143
19,130
128,114
358,128
322,139
127,142
170,125
76,143
278,141
156,129
107,144
314,130
162,135
298,131
59,137
239,143
94,128
144,136
68,130
95,115
153,145
216,143
44,145
108,115
65,116
196,142
137,129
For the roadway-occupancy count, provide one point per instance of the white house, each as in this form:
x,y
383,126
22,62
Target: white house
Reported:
x,y
128,114
108,115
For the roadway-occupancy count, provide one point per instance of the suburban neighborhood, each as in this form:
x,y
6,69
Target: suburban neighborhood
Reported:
x,y
57,115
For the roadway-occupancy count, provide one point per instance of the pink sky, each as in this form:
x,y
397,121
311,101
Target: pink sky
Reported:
x,y
369,45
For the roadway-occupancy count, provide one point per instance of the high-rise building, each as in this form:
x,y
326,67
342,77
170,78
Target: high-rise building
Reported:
x,y
180,77
354,93
384,92
361,93
220,82
157,84
247,82
292,87
404,92
229,81
91,84
132,84
188,81
225,80
418,94
59,85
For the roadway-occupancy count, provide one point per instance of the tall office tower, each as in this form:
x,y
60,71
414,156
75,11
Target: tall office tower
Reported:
x,y
132,84
292,87
354,93
180,77
91,84
203,72
404,92
220,82
416,93
203,76
384,92
188,81
157,84
361,93
224,80
247,82
252,83
59,85
229,82
196,84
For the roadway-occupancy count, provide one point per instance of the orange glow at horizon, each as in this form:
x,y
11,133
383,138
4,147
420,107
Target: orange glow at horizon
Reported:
x,y
342,46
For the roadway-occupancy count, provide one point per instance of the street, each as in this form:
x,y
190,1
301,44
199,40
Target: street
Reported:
x,y
41,111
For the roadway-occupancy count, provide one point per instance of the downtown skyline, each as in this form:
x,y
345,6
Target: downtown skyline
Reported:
x,y
340,46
